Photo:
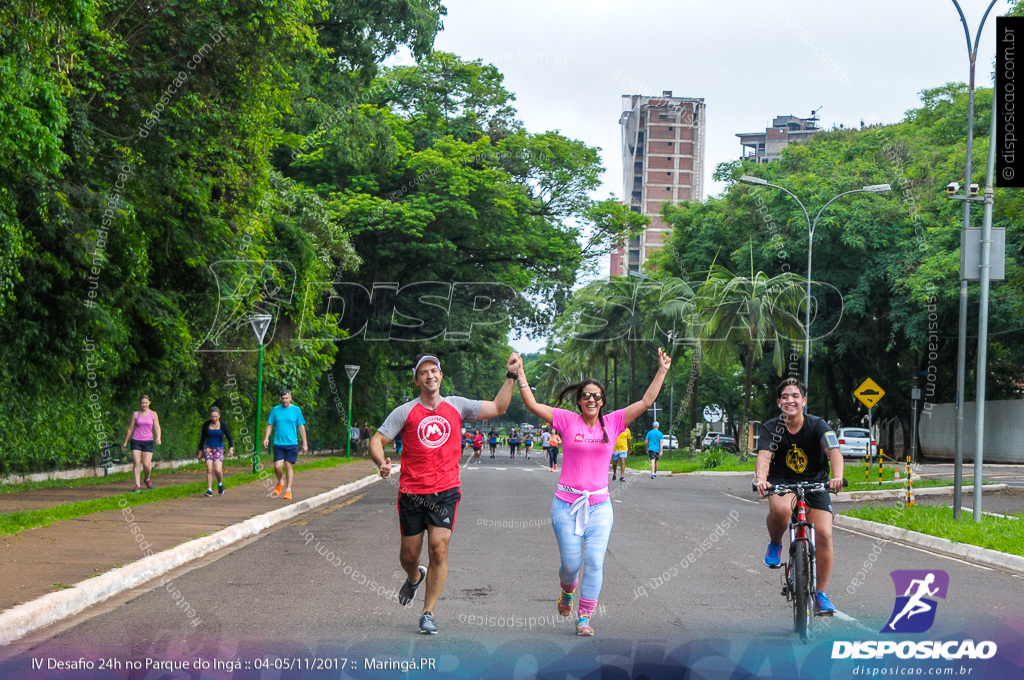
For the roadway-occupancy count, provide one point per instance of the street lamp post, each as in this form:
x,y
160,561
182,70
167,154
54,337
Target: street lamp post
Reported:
x,y
260,323
811,226
961,365
351,370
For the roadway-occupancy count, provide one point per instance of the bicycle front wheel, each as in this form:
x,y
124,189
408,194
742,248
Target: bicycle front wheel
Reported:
x,y
801,567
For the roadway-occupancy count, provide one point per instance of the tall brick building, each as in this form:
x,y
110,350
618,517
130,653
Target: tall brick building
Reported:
x,y
662,161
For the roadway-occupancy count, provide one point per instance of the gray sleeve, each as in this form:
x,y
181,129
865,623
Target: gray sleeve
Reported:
x,y
394,423
468,408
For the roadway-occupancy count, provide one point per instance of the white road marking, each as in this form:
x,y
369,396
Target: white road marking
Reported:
x,y
745,500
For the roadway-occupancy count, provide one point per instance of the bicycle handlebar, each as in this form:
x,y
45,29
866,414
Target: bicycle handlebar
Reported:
x,y
783,489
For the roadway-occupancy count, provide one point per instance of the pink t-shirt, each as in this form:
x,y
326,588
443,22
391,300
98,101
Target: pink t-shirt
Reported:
x,y
585,456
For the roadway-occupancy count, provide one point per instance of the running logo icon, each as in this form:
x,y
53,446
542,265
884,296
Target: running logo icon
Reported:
x,y
914,611
434,431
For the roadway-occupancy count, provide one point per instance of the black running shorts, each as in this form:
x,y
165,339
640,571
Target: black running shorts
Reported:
x,y
417,511
819,500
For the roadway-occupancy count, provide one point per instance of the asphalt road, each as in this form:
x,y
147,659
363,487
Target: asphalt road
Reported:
x,y
277,597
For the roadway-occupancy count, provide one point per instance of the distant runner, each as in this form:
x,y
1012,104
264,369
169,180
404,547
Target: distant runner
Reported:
x,y
653,439
143,433
623,445
286,422
211,449
428,491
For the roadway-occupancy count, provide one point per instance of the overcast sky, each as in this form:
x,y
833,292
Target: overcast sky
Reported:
x,y
569,62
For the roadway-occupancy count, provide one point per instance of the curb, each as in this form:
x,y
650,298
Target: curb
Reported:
x,y
80,473
724,473
852,496
972,553
18,621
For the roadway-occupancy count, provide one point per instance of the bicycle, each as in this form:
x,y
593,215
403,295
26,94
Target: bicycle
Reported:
x,y
800,579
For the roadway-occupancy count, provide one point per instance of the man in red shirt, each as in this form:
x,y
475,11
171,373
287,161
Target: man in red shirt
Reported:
x,y
428,489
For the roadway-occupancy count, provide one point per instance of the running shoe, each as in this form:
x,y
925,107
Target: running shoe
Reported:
x,y
149,484
277,490
427,625
220,489
614,478
654,476
408,591
565,603
623,479
137,489
824,604
209,493
288,494
773,556
583,627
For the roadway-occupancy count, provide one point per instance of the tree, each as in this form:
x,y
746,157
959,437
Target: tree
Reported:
x,y
738,315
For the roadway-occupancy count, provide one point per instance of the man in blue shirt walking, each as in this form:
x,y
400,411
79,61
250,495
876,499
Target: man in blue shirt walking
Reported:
x,y
653,439
286,422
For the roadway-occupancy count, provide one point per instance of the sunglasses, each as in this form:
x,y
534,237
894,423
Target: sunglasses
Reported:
x,y
596,396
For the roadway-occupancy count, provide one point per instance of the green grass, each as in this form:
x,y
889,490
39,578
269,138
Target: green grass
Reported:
x,y
855,475
679,463
995,533
12,523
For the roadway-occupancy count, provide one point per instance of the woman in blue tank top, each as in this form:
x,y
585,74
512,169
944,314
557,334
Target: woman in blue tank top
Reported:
x,y
211,449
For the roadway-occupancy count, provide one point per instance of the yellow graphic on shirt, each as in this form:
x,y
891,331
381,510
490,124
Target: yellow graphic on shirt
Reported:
x,y
796,459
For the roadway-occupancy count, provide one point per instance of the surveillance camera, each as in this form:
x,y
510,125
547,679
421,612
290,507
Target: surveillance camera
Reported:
x,y
953,188
973,191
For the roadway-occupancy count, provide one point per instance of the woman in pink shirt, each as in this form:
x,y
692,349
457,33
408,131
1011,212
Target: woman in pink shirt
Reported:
x,y
581,512
143,433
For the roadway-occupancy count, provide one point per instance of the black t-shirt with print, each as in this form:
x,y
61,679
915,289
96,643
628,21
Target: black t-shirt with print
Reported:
x,y
799,456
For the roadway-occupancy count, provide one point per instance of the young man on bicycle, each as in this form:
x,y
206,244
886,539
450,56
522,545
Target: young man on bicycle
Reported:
x,y
799,447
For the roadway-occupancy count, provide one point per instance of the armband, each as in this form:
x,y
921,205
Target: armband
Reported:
x,y
831,442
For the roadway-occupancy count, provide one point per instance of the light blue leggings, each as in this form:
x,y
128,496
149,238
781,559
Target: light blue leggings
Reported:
x,y
570,546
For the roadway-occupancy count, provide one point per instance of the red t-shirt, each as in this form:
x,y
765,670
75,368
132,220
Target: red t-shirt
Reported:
x,y
478,441
430,442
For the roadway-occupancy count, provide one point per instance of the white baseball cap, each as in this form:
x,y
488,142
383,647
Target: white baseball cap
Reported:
x,y
655,424
426,357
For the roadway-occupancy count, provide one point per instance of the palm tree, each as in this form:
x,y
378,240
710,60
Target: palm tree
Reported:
x,y
606,319
741,314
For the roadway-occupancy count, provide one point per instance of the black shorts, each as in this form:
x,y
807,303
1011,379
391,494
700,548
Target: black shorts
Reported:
x,y
136,445
417,511
654,455
819,500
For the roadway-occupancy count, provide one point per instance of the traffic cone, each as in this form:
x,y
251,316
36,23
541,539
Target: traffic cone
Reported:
x,y
896,476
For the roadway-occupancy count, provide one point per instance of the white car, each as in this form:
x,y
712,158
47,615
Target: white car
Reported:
x,y
671,442
853,442
709,438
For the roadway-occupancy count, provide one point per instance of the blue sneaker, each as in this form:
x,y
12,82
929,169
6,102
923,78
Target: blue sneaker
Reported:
x,y
824,604
427,625
773,557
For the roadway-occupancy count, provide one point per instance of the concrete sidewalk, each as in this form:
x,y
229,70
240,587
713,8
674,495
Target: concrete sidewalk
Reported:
x,y
39,561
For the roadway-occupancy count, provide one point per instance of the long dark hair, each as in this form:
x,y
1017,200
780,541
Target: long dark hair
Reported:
x,y
577,391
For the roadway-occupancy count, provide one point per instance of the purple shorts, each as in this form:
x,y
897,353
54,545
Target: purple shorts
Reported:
x,y
213,453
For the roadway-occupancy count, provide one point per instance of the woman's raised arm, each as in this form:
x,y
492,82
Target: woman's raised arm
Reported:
x,y
543,412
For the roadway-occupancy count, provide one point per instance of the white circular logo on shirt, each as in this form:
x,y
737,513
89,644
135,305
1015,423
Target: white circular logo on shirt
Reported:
x,y
434,431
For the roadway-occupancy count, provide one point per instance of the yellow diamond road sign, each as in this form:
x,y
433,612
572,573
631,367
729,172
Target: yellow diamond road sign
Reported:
x,y
869,393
